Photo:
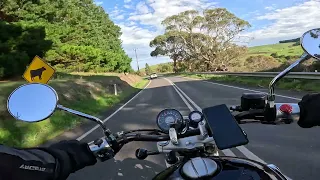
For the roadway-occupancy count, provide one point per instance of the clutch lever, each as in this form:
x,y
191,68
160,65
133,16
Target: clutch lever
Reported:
x,y
142,154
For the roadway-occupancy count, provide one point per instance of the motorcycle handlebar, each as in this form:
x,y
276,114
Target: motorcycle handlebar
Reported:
x,y
105,148
283,111
155,138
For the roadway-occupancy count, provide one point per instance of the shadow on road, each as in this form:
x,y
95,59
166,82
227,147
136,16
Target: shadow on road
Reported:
x,y
129,168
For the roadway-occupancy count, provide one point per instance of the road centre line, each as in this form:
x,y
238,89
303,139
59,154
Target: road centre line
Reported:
x,y
183,99
243,149
105,120
227,152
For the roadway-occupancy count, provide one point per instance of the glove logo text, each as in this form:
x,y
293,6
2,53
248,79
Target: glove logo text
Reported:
x,y
32,168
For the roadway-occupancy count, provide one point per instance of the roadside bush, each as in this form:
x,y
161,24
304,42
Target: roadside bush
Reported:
x,y
260,63
274,55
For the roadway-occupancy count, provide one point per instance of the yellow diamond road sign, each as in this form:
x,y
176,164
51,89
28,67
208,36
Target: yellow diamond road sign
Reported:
x,y
38,71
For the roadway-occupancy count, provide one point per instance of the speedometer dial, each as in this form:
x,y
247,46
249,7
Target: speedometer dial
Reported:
x,y
168,117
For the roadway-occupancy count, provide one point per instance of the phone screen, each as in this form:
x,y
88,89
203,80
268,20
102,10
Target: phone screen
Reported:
x,y
224,128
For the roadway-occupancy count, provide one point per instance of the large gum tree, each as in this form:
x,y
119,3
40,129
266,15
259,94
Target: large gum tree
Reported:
x,y
204,41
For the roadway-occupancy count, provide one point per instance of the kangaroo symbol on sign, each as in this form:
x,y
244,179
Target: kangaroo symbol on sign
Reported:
x,y
37,72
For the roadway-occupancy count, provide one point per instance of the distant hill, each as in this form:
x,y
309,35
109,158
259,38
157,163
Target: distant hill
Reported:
x,y
285,49
277,57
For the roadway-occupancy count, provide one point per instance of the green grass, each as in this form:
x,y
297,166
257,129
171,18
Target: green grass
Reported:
x,y
286,49
289,84
88,93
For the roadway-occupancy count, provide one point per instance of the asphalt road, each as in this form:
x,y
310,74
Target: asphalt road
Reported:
x,y
294,150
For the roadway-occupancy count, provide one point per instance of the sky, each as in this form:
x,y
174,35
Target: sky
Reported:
x,y
271,20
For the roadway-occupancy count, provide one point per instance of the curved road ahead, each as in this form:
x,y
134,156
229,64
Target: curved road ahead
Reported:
x,y
296,151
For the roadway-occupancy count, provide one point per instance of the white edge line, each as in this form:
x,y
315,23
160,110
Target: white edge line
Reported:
x,y
256,158
253,156
228,152
235,87
105,120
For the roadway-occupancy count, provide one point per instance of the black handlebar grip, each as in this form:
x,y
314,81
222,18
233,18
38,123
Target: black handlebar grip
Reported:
x,y
309,111
270,114
141,154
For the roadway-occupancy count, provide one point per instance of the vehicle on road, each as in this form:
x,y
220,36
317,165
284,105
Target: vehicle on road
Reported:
x,y
153,76
188,143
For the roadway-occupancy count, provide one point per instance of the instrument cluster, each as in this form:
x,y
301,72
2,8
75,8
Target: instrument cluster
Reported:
x,y
168,118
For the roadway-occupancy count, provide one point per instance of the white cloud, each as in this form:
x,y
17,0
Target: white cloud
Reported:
x,y
142,8
269,8
150,13
134,35
160,9
127,6
117,13
98,3
131,23
289,22
119,17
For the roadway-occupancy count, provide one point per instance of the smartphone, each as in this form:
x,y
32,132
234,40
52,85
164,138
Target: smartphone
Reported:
x,y
224,128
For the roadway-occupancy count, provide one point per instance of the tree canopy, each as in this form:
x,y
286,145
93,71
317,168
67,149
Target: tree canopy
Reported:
x,y
72,35
201,42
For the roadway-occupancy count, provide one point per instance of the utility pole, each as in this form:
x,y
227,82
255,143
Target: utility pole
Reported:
x,y
135,50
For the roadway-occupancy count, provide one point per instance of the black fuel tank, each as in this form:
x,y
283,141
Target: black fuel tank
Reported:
x,y
219,168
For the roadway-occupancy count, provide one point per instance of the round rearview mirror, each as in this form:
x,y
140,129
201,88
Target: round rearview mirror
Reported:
x,y
310,42
32,102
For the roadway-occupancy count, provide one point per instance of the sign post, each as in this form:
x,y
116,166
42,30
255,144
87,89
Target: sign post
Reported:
x,y
38,71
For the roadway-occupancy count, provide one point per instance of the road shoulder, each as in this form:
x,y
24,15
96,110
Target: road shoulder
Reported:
x,y
88,125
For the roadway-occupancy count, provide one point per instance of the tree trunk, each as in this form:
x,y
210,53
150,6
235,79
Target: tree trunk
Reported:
x,y
5,17
190,67
174,65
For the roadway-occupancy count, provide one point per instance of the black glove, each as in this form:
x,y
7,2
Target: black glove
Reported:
x,y
309,111
72,156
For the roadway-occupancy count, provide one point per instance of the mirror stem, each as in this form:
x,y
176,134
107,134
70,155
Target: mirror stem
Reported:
x,y
271,96
78,113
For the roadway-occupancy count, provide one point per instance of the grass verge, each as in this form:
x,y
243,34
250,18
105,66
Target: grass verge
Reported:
x,y
88,93
289,84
